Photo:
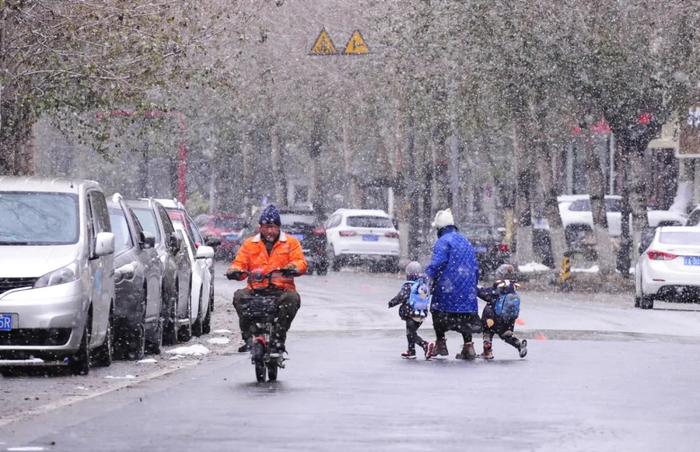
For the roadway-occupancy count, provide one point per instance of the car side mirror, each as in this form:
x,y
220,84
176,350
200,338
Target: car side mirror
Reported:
x,y
104,244
395,222
204,252
212,241
148,240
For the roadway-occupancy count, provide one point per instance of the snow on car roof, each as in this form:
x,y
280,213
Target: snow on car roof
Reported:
x,y
359,212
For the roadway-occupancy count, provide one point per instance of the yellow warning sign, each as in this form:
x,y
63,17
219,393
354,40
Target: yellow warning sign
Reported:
x,y
323,45
356,45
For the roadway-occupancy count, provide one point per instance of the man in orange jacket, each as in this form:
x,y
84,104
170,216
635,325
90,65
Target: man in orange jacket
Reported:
x,y
270,250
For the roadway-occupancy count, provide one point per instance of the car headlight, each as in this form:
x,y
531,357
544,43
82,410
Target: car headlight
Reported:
x,y
60,276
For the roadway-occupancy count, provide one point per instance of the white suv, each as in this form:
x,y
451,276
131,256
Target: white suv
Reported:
x,y
359,236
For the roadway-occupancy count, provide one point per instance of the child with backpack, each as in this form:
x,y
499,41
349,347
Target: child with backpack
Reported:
x,y
414,298
501,310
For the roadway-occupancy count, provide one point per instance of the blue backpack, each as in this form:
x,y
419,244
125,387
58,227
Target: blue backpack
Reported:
x,y
419,298
507,306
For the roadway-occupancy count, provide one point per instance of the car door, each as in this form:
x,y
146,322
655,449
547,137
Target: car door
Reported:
x,y
101,268
153,268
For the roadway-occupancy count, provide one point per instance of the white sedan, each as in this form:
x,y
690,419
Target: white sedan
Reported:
x,y
669,267
360,235
202,285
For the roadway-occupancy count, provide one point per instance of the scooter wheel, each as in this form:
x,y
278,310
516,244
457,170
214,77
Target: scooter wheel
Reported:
x,y
260,369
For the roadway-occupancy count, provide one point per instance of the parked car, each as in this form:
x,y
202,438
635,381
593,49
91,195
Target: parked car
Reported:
x,y
669,267
490,251
362,236
138,275
229,229
201,257
304,225
694,217
577,219
56,261
202,287
177,270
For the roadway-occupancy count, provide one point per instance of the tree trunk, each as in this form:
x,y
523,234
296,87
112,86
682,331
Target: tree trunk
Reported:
x,y
278,169
546,168
626,242
637,179
596,190
353,189
524,179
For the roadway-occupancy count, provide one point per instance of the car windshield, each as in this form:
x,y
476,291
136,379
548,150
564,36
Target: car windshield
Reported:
x,y
679,237
120,228
147,218
369,222
584,205
231,224
31,218
292,218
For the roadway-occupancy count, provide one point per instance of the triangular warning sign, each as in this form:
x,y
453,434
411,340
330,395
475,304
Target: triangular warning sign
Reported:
x,y
323,45
356,45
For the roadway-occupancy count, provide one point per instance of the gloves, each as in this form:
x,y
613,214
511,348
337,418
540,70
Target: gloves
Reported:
x,y
234,274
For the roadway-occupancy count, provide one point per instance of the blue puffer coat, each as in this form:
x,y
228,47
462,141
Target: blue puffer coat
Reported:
x,y
455,273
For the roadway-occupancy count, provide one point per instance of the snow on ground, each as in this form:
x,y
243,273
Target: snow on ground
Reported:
x,y
219,340
147,361
191,350
222,331
533,267
592,269
125,377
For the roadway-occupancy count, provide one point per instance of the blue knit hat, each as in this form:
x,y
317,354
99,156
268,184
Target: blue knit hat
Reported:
x,y
270,216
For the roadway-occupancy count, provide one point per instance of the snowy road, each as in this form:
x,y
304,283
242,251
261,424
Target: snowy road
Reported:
x,y
600,375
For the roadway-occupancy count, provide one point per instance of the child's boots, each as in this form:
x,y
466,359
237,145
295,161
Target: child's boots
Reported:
x,y
467,352
488,351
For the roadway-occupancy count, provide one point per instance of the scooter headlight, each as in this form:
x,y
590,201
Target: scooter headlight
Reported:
x,y
62,275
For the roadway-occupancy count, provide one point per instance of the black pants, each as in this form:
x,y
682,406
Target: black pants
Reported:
x,y
463,323
288,304
504,329
412,334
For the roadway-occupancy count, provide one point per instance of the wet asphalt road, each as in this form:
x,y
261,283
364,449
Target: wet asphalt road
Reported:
x,y
346,388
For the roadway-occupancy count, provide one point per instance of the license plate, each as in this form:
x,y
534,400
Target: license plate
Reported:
x,y
5,322
370,238
480,249
691,260
299,237
231,237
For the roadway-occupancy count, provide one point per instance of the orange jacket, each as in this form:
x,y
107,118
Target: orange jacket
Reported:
x,y
253,257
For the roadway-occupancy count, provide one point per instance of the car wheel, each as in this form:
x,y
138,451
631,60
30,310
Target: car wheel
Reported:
x,y
184,333
105,353
646,302
636,302
197,326
154,342
322,271
80,361
206,326
170,326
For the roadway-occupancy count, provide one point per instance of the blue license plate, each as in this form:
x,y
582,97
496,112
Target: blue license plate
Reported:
x,y
231,237
691,260
370,238
5,322
480,249
299,237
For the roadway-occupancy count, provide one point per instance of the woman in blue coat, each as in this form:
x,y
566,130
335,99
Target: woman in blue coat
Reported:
x,y
454,272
